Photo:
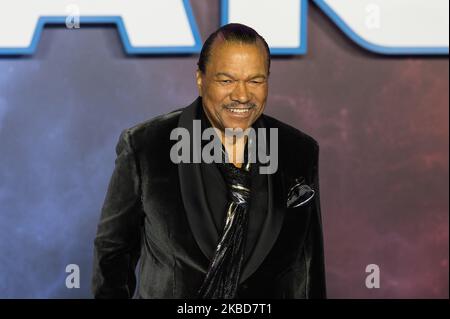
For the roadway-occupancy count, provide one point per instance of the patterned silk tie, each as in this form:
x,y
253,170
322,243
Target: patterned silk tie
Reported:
x,y
222,278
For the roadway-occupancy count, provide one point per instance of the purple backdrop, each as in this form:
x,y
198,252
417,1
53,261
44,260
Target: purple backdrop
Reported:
x,y
382,123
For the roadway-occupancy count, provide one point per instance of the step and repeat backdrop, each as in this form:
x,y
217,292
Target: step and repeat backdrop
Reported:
x,y
369,80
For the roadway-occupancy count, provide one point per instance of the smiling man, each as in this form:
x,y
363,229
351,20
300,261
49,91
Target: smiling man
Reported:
x,y
233,82
214,229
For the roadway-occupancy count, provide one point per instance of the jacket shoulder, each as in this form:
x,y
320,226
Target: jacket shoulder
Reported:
x,y
291,134
155,129
164,121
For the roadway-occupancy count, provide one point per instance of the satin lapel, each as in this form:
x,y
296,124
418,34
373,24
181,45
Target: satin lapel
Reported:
x,y
193,193
275,216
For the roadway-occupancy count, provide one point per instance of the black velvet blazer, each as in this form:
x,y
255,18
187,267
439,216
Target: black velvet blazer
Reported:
x,y
156,212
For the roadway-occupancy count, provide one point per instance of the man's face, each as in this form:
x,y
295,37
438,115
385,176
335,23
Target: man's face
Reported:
x,y
234,86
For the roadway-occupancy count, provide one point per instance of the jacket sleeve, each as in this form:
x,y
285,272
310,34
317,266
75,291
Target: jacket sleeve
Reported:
x,y
117,243
314,250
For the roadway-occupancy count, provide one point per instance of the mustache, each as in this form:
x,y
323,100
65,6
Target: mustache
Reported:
x,y
234,105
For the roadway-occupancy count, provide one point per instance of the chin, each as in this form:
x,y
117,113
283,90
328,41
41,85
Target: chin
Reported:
x,y
243,124
238,125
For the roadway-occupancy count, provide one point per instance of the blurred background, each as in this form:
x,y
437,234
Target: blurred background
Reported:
x,y
381,121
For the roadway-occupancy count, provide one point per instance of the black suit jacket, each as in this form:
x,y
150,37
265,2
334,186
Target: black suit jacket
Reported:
x,y
156,212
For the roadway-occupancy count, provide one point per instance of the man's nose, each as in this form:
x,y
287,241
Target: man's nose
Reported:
x,y
240,93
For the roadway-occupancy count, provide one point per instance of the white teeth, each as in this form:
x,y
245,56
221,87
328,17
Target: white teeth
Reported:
x,y
239,110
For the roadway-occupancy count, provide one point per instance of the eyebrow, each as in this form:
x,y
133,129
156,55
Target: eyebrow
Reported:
x,y
230,76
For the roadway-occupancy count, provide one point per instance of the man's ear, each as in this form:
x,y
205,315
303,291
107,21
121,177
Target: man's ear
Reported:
x,y
199,81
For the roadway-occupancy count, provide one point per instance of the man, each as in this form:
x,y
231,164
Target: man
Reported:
x,y
220,229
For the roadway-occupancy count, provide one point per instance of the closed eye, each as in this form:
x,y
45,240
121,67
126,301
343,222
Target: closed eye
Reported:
x,y
257,80
225,81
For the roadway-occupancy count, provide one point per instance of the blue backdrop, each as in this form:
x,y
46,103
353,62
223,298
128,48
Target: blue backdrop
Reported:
x,y
382,124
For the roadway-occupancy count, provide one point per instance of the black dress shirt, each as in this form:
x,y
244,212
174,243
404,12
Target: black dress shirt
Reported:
x,y
217,199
